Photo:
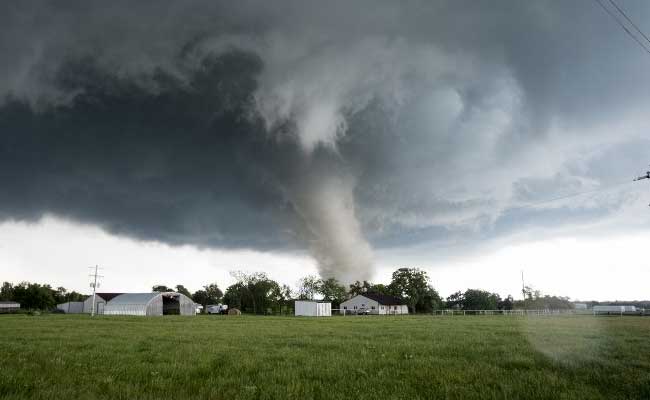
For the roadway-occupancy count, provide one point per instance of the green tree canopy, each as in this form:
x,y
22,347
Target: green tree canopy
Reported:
x,y
333,291
309,287
183,290
412,286
161,288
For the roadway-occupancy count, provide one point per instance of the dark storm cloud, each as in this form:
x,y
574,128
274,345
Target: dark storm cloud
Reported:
x,y
275,125
181,165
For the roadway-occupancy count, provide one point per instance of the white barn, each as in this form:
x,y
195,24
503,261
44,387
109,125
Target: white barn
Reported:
x,y
9,306
374,303
156,303
613,309
310,308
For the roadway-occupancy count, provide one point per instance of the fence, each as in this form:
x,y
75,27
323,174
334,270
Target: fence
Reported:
x,y
513,312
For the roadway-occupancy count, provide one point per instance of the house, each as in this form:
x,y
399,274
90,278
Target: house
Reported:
x,y
310,308
374,303
9,306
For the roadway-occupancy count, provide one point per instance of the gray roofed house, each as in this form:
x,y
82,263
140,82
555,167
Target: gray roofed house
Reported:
x,y
374,303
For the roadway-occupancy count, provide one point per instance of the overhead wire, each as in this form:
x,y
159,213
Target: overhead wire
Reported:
x,y
554,199
624,14
622,25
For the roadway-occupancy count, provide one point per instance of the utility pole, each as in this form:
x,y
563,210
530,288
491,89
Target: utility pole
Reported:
x,y
94,284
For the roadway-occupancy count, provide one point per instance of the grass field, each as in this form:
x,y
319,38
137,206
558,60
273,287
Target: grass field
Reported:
x,y
414,357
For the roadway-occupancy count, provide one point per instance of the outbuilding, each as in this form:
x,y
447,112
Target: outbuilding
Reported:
x,y
310,308
155,303
614,309
71,307
374,303
9,306
100,302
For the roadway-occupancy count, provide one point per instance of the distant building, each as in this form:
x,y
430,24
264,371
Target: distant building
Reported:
x,y
100,302
374,303
614,309
149,304
71,307
310,308
580,306
9,306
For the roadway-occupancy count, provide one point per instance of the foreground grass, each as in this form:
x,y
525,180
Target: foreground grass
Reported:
x,y
414,357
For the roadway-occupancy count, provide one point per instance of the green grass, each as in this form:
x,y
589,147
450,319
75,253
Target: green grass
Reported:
x,y
414,357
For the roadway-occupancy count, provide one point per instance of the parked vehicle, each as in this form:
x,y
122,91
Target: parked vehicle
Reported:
x,y
217,309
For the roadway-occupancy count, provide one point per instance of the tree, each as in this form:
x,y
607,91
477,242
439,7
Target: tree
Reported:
x,y
34,296
358,288
210,294
455,300
214,292
309,287
476,299
333,291
253,292
61,295
161,288
182,290
412,286
507,303
7,292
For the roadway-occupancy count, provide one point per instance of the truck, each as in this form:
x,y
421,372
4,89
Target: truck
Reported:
x,y
217,309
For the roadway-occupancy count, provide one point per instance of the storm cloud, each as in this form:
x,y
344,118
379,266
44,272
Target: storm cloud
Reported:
x,y
333,127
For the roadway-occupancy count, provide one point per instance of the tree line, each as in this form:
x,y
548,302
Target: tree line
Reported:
x,y
35,296
256,293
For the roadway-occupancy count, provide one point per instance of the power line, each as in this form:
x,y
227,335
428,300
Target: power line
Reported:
x,y
624,14
622,25
551,200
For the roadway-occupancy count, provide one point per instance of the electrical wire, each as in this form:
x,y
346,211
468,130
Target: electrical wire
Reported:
x,y
624,14
622,25
554,199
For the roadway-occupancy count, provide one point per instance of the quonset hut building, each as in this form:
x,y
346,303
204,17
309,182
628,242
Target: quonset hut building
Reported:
x,y
156,303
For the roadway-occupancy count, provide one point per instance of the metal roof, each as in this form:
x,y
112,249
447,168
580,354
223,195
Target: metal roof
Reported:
x,y
383,299
134,298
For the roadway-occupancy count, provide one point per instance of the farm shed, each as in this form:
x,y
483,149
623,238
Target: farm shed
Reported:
x,y
156,303
9,306
613,309
374,303
71,307
100,302
309,308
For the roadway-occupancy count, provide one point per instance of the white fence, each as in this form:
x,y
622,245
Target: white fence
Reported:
x,y
513,312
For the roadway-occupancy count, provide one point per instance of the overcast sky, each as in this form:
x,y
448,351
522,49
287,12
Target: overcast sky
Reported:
x,y
174,142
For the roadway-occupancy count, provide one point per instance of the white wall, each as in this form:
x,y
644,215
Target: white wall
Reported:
x,y
72,307
312,309
88,304
359,303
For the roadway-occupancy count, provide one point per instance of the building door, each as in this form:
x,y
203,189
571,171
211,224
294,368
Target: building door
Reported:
x,y
100,308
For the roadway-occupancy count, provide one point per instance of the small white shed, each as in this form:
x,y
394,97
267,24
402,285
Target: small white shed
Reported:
x,y
310,308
